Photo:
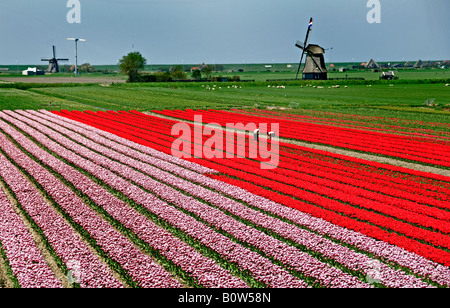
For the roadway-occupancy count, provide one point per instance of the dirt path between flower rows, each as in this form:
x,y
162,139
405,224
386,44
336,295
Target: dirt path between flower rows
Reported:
x,y
369,157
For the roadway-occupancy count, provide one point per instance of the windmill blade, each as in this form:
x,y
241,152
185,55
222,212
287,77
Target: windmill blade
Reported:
x,y
300,45
304,46
54,52
300,64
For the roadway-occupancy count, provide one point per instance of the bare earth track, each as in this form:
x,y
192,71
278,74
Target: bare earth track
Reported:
x,y
53,80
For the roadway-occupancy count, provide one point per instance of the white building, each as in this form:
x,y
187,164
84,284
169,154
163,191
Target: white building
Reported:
x,y
32,71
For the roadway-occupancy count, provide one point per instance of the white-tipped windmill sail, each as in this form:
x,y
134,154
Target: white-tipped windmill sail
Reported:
x,y
76,51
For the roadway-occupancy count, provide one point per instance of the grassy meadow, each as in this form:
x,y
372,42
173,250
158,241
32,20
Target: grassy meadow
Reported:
x,y
403,98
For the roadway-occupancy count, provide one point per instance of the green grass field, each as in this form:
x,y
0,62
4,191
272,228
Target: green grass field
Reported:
x,y
404,98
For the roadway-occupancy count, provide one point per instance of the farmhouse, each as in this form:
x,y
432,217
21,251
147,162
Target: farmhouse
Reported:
x,y
32,71
418,64
372,64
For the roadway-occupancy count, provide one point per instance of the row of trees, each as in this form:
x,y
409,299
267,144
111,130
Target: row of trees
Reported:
x,y
133,63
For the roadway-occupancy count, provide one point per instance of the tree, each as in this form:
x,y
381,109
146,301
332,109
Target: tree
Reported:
x,y
177,73
131,65
207,71
87,68
197,74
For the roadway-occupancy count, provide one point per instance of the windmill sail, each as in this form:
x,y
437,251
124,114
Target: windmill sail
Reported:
x,y
303,46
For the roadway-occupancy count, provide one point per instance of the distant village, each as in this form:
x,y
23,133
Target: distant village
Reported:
x,y
419,64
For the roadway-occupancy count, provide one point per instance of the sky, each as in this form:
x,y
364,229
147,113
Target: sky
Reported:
x,y
223,31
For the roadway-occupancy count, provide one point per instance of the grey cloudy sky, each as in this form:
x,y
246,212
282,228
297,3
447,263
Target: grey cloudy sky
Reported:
x,y
223,31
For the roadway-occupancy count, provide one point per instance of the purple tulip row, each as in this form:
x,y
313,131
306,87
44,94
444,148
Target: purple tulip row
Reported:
x,y
24,257
349,258
261,268
203,269
392,254
67,244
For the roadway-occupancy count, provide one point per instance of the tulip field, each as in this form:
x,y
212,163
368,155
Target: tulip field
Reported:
x,y
97,200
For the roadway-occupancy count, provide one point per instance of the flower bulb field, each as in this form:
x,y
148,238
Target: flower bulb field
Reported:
x,y
98,199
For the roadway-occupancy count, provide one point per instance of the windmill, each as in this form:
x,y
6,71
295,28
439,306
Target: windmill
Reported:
x,y
315,63
53,66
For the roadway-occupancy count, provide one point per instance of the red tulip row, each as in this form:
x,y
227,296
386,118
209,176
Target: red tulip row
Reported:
x,y
118,126
166,177
247,261
148,129
403,147
334,251
363,123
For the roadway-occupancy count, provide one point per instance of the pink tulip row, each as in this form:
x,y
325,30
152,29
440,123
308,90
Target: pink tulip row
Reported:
x,y
65,242
260,268
349,258
302,262
24,257
204,270
417,264
354,261
93,273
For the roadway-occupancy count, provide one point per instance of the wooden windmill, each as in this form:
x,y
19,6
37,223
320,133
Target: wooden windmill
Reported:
x,y
53,66
315,68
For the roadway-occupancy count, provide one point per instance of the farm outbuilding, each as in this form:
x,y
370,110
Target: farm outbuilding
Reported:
x,y
31,71
388,75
